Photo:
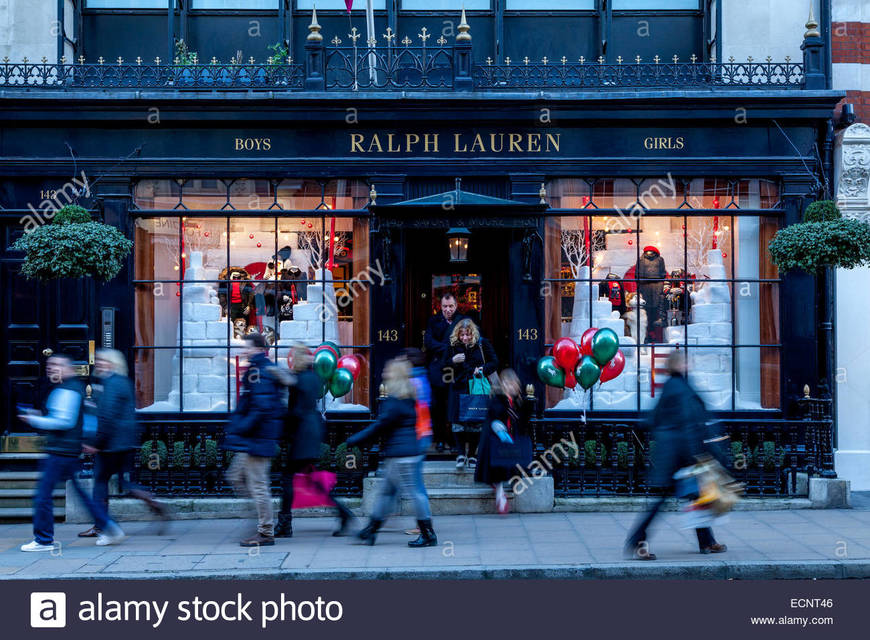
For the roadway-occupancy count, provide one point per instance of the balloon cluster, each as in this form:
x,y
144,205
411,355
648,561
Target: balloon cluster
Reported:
x,y
337,372
596,359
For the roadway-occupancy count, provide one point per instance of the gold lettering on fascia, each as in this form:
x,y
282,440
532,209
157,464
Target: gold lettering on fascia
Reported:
x,y
252,144
456,142
664,142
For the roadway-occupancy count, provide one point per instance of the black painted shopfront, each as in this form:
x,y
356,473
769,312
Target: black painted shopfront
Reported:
x,y
350,195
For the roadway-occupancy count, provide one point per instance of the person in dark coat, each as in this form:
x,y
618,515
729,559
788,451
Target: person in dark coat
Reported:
x,y
436,341
62,425
509,413
397,426
117,436
303,431
651,274
679,430
253,433
469,355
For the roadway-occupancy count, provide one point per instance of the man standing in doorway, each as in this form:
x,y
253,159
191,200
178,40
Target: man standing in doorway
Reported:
x,y
437,343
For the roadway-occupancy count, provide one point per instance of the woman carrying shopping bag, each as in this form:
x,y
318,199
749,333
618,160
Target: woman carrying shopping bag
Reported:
x,y
397,424
469,362
504,438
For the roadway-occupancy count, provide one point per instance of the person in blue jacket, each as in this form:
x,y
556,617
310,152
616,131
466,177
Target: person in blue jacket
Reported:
x,y
397,426
253,433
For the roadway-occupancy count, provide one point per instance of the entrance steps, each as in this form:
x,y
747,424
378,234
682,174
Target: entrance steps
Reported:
x,y
451,492
18,480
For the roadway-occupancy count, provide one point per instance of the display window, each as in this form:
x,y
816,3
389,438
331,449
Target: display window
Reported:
x,y
204,281
700,281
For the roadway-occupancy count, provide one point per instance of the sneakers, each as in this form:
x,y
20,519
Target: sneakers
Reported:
x,y
112,535
33,545
472,463
460,462
715,548
93,532
501,503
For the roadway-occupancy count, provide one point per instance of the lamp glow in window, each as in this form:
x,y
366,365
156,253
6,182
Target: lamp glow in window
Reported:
x,y
457,240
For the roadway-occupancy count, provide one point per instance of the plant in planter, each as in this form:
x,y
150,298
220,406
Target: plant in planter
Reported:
x,y
153,454
278,63
73,246
824,239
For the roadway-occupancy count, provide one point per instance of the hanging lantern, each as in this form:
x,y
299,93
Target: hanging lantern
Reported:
x,y
457,241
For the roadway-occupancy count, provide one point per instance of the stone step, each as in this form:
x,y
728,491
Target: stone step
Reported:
x,y
20,461
14,498
461,501
438,475
24,514
18,479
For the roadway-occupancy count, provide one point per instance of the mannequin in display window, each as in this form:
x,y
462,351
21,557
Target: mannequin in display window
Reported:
x,y
635,317
613,289
679,302
264,291
651,273
236,298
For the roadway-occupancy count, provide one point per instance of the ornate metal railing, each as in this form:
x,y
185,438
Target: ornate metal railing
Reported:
x,y
614,458
186,460
599,457
26,75
402,67
597,75
392,67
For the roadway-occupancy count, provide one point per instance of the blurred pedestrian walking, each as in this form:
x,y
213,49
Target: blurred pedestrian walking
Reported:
x,y
253,434
304,431
470,360
504,438
397,423
423,406
679,423
63,428
117,437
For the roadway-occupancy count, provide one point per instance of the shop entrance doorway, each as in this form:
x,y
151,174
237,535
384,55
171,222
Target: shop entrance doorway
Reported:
x,y
481,285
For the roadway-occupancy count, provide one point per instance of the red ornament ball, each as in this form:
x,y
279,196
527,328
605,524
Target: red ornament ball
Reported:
x,y
630,242
259,244
251,236
178,293
310,225
724,255
303,222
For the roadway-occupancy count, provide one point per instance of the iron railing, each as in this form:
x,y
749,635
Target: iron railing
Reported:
x,y
564,75
392,67
599,457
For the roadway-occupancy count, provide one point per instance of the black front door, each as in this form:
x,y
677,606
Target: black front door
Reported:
x,y
36,320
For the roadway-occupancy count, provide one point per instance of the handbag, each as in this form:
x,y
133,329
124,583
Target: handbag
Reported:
x,y
473,408
507,455
312,489
479,386
492,377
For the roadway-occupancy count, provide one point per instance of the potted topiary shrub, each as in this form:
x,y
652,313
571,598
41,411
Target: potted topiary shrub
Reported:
x,y
823,239
73,246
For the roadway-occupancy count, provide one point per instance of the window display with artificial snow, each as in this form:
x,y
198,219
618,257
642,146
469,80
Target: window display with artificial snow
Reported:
x,y
238,276
666,282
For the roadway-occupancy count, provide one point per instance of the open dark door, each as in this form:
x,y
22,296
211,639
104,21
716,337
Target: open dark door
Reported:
x,y
481,285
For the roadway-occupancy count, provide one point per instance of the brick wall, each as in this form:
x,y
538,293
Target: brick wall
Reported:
x,y
850,52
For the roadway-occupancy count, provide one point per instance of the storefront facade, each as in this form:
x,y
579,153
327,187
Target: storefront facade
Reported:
x,y
323,214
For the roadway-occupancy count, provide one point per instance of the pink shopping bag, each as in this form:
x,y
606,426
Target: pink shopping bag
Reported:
x,y
312,489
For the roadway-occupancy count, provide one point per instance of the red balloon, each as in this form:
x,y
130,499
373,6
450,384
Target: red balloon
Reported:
x,y
612,368
570,379
567,353
586,342
351,363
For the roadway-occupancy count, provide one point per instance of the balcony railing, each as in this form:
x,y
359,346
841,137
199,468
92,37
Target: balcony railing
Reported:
x,y
397,67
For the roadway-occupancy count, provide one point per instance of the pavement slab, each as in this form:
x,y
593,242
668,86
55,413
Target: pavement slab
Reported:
x,y
761,544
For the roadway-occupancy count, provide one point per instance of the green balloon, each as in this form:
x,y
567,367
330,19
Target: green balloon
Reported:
x,y
550,373
588,371
605,344
324,387
341,383
325,363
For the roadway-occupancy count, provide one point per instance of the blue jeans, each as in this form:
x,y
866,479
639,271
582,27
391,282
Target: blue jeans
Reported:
x,y
56,469
400,478
424,443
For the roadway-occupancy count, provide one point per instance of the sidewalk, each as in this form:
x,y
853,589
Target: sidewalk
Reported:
x,y
762,544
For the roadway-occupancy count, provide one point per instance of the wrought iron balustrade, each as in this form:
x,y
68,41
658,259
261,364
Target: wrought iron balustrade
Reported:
x,y
678,75
390,67
28,75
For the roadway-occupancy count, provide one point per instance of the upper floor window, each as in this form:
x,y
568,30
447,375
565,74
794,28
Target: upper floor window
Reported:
x,y
234,4
445,5
554,5
126,4
338,5
654,5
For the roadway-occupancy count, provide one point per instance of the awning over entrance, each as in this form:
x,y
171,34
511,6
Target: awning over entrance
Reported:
x,y
458,199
